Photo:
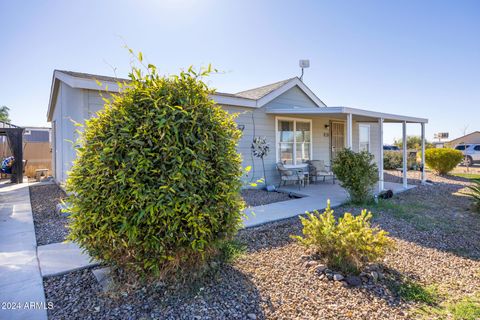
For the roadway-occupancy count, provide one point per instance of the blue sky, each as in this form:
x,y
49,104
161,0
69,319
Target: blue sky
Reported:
x,y
419,58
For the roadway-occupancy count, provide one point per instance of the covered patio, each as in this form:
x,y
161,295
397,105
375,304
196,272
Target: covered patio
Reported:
x,y
312,197
347,117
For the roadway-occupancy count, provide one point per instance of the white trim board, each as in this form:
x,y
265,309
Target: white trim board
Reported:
x,y
346,110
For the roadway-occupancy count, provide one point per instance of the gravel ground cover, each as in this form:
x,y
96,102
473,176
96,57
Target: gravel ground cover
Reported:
x,y
50,227
437,244
257,197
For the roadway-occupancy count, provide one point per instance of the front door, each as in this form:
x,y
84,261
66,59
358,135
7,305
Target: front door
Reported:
x,y
337,138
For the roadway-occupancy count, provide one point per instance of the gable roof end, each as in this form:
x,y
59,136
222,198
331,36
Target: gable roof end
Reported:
x,y
258,97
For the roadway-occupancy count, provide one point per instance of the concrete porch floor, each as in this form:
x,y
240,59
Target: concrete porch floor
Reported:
x,y
314,197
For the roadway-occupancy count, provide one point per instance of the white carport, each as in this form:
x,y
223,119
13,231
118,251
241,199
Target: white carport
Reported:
x,y
351,114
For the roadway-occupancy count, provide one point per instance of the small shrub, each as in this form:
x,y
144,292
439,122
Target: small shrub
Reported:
x,y
413,291
357,173
347,244
475,194
443,160
156,184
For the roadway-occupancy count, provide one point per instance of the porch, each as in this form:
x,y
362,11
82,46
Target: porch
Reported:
x,y
335,128
313,197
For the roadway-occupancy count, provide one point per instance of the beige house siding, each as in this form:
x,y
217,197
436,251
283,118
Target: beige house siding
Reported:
x,y
471,138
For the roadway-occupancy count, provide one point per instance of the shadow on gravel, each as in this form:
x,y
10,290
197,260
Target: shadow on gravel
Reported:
x,y
226,294
395,288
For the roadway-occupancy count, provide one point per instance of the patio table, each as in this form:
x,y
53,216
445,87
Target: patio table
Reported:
x,y
304,168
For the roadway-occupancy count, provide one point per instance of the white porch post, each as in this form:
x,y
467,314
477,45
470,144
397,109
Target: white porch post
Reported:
x,y
404,140
424,178
380,157
349,131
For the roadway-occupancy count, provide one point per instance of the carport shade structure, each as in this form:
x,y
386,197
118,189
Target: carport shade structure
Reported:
x,y
350,114
14,136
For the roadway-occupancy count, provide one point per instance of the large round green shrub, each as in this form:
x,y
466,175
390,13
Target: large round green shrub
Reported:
x,y
357,173
155,186
443,160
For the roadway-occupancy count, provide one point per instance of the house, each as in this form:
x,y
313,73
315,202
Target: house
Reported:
x,y
295,122
471,138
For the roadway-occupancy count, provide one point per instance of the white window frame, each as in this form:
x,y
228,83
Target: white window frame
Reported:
x,y
294,137
369,136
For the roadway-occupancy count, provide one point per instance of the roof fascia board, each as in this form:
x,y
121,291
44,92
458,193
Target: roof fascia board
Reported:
x,y
346,110
387,116
90,84
234,101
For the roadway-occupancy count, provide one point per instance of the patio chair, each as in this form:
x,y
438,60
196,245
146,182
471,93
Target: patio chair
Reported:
x,y
317,168
286,174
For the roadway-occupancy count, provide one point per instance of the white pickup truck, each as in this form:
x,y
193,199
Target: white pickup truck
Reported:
x,y
471,153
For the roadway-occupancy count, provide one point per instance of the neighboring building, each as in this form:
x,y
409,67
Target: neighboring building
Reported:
x,y
37,149
296,123
471,138
36,134
439,144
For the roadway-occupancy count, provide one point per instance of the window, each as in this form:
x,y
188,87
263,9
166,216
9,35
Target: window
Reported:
x,y
364,137
477,148
294,140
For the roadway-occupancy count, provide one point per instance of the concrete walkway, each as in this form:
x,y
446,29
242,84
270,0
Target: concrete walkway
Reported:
x,y
21,286
60,258
314,197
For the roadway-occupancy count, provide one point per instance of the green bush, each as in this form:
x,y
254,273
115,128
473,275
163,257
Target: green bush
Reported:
x,y
475,194
346,245
357,173
394,159
155,187
443,160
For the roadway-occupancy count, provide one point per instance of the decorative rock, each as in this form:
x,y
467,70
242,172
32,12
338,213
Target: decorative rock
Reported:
x,y
374,275
103,277
353,281
252,316
62,210
337,277
310,263
321,268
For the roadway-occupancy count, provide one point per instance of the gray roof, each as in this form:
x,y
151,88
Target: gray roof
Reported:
x,y
252,94
260,92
